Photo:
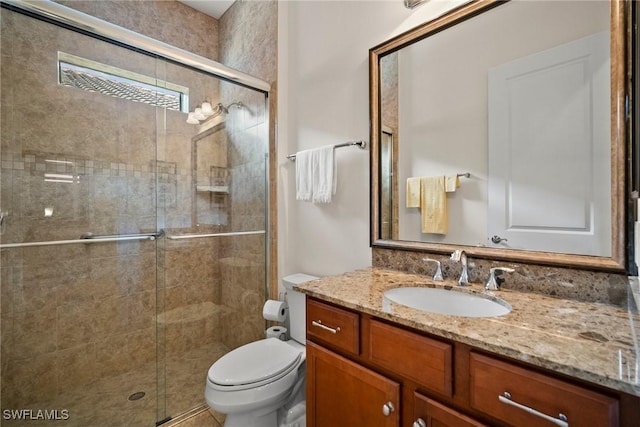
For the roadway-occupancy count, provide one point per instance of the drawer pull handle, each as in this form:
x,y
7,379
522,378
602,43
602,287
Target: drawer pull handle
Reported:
x,y
561,421
388,408
319,324
419,423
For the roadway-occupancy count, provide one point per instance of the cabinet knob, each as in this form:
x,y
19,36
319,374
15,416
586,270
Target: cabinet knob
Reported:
x,y
419,423
388,408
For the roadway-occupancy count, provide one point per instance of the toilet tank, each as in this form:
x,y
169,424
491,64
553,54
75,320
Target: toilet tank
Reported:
x,y
297,308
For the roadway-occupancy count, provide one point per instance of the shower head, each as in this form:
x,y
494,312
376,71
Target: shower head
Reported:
x,y
237,104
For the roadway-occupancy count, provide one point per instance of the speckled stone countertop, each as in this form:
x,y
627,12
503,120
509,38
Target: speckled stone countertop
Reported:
x,y
593,342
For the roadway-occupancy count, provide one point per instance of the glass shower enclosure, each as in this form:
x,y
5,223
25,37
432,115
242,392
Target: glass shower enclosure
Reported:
x,y
133,244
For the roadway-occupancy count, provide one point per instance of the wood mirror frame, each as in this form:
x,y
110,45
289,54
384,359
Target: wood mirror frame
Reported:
x,y
620,145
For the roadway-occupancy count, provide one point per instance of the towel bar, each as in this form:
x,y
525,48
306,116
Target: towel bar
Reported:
x,y
360,144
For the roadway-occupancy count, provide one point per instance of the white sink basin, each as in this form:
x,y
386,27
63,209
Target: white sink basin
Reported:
x,y
442,301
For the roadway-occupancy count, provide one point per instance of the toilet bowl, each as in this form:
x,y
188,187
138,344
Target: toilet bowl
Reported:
x,y
262,384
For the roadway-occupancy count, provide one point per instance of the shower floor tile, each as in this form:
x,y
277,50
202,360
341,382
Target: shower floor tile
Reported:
x,y
105,403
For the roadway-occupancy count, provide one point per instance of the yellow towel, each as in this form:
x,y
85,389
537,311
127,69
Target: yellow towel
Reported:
x,y
452,182
413,192
433,205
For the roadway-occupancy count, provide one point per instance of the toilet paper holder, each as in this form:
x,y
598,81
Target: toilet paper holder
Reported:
x,y
279,332
276,311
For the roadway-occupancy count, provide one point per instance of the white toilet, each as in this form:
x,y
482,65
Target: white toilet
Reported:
x,y
262,384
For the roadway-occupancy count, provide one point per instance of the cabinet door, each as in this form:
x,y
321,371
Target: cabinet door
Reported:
x,y
343,393
429,413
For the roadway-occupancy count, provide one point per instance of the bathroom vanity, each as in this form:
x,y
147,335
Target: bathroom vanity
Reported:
x,y
550,361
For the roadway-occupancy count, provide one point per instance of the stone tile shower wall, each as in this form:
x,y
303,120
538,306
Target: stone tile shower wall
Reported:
x,y
243,271
248,42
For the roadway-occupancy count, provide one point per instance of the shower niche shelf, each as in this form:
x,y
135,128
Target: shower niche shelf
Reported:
x,y
224,189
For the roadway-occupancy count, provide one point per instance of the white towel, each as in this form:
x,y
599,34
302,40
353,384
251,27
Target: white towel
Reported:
x,y
324,174
304,175
316,175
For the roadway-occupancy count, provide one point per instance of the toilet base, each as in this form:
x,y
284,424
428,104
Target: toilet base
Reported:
x,y
296,416
251,420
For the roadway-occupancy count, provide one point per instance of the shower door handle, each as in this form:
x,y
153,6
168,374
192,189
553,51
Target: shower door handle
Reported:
x,y
87,238
117,237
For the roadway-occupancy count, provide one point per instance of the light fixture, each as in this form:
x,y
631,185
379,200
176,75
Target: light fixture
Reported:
x,y
206,111
198,114
191,119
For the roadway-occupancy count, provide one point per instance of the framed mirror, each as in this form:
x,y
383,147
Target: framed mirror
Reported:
x,y
500,128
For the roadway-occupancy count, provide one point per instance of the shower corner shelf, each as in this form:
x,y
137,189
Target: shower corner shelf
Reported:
x,y
213,188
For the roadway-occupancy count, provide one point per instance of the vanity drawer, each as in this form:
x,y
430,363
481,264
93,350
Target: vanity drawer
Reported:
x,y
333,326
522,397
426,361
435,414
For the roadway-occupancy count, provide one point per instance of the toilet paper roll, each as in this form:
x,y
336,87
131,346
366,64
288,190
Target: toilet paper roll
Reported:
x,y
277,332
275,310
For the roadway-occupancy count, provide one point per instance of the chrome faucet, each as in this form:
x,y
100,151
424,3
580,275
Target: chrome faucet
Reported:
x,y
437,276
495,281
460,256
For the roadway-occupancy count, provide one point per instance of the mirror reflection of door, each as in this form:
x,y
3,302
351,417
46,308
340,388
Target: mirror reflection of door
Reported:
x,y
386,183
548,158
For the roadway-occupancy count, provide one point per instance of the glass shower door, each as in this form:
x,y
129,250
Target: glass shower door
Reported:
x,y
78,202
212,206
133,245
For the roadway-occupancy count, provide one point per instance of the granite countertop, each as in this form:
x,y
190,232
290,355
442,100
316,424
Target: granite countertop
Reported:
x,y
594,342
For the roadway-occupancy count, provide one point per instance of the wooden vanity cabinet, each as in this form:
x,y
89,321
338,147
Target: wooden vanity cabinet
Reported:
x,y
364,372
434,414
341,392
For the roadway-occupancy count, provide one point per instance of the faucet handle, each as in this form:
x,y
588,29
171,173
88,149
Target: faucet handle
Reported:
x,y
494,282
438,274
460,256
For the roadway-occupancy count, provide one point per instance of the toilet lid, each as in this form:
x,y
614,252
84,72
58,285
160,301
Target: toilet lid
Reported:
x,y
254,362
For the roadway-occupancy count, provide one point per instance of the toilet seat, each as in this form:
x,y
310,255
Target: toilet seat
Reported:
x,y
254,364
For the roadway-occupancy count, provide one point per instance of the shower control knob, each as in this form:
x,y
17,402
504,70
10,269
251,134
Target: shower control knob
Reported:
x,y
388,408
419,423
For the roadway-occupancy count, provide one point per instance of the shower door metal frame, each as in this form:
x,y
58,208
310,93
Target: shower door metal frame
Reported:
x,y
90,25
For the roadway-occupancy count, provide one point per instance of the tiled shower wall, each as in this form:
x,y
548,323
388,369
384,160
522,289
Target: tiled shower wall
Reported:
x,y
249,42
